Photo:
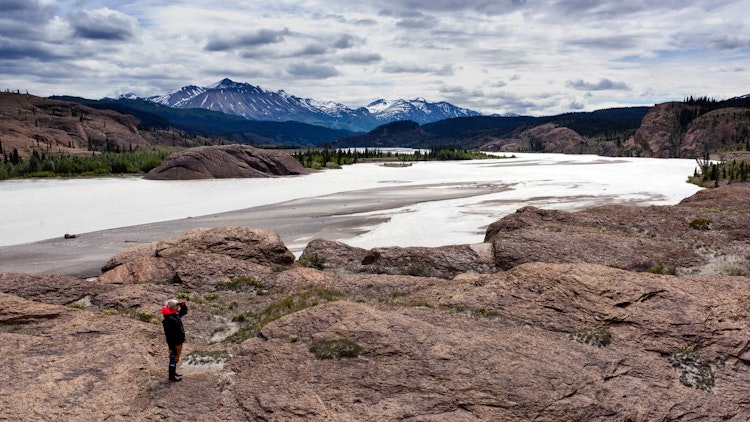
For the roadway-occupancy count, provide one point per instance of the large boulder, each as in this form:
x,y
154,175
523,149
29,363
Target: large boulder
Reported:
x,y
48,288
201,255
226,161
442,262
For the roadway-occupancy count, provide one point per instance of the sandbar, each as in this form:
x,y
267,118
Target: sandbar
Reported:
x,y
333,217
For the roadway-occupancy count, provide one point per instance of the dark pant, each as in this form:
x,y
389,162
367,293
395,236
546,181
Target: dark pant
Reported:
x,y
174,354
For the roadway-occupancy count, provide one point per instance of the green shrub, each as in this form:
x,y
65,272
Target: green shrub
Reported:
x,y
147,316
598,337
700,224
422,304
243,282
661,269
330,349
482,312
694,371
313,261
184,295
285,306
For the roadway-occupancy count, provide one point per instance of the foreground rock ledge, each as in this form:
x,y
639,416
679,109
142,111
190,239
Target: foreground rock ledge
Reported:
x,y
539,341
514,345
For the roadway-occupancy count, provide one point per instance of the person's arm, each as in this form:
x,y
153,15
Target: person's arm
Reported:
x,y
183,309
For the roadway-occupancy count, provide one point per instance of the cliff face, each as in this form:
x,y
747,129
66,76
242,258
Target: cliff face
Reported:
x,y
679,130
226,161
30,122
367,335
544,138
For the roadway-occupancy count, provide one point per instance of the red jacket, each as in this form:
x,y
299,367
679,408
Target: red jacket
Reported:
x,y
172,322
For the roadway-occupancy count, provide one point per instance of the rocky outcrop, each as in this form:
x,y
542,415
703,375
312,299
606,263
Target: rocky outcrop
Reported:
x,y
62,363
554,138
655,137
33,123
542,341
199,256
226,161
443,262
267,340
547,137
704,234
714,131
47,288
676,129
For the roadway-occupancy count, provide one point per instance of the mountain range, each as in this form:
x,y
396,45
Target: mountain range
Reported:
x,y
255,103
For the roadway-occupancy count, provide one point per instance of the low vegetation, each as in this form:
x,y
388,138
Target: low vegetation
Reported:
x,y
327,158
694,370
713,174
335,349
313,261
253,322
700,224
598,337
207,357
243,283
41,164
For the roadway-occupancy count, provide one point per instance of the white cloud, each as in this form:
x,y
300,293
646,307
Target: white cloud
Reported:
x,y
521,56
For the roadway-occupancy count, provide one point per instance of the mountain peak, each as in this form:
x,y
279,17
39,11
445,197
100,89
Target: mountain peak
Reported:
x,y
253,102
223,84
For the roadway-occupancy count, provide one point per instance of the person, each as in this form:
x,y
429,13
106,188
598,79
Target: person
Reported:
x,y
173,311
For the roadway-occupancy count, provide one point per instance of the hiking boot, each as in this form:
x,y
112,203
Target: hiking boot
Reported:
x,y
173,374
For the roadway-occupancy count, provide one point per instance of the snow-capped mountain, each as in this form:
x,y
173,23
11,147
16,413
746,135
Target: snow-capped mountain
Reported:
x,y
418,110
253,102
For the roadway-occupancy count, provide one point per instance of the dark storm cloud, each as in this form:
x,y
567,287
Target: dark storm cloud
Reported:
x,y
253,39
599,9
418,22
311,50
488,7
312,71
603,85
616,42
715,41
14,50
444,70
29,10
362,58
344,41
24,19
104,24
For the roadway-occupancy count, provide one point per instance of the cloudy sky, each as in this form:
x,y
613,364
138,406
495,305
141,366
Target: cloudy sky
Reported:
x,y
495,56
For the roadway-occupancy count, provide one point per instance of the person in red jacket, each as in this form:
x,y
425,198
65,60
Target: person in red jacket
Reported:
x,y
173,311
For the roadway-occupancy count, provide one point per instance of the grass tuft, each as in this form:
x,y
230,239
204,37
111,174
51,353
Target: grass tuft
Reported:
x,y
598,337
335,349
